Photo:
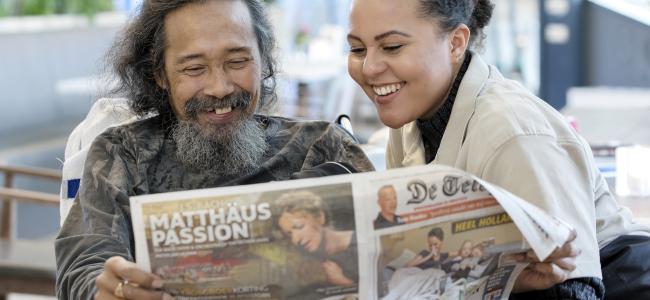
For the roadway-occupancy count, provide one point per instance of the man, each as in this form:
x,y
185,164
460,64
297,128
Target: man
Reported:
x,y
204,68
387,200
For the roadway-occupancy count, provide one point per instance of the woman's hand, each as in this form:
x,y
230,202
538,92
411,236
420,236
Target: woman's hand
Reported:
x,y
122,279
555,269
335,274
419,259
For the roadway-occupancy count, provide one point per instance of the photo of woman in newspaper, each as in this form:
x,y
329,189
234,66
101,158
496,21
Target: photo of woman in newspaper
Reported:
x,y
306,221
431,258
439,272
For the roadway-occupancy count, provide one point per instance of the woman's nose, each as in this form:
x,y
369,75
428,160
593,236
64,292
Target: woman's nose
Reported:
x,y
295,239
373,64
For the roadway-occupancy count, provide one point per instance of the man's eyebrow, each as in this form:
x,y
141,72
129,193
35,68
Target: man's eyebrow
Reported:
x,y
183,59
382,35
244,49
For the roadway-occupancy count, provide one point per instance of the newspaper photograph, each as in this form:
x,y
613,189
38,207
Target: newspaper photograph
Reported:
x,y
283,244
422,264
428,232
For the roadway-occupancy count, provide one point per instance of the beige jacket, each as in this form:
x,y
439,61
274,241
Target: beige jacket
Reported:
x,y
505,135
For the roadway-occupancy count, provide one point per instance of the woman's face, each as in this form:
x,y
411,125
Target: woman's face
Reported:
x,y
466,249
305,230
434,244
403,62
477,252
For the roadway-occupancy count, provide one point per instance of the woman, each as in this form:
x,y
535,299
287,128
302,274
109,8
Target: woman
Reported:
x,y
432,258
305,220
446,106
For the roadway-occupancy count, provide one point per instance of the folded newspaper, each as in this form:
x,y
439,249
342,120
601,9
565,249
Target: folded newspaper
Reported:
x,y
428,232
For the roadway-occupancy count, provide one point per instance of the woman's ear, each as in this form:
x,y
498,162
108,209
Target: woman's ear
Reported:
x,y
459,41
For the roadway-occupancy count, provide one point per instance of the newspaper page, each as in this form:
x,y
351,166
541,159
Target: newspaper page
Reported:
x,y
418,233
440,234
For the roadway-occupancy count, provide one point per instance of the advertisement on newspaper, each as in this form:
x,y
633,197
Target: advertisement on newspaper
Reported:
x,y
415,233
295,243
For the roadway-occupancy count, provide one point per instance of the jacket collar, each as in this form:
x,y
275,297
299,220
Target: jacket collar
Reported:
x,y
475,78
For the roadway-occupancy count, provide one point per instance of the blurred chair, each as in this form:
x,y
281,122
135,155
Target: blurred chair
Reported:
x,y
339,97
26,266
105,113
375,149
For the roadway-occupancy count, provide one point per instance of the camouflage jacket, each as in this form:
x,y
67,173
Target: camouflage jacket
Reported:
x,y
138,158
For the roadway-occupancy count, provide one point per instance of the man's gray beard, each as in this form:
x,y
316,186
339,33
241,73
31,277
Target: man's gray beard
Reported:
x,y
236,148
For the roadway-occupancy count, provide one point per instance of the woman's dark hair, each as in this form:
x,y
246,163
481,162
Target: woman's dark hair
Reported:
x,y
437,232
449,14
137,57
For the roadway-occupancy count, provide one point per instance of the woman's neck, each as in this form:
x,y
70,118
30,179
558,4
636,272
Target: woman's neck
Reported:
x,y
336,241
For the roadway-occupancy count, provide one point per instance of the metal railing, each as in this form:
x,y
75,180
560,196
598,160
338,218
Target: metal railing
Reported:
x,y
9,194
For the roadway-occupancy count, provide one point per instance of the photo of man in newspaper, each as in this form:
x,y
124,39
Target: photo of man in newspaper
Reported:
x,y
307,222
455,259
387,201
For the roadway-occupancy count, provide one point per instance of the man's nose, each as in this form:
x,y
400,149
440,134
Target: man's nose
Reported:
x,y
373,64
218,84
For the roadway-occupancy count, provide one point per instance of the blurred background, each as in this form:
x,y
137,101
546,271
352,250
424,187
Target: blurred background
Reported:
x,y
588,59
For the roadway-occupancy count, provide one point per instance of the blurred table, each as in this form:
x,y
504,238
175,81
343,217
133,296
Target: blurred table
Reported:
x,y
27,266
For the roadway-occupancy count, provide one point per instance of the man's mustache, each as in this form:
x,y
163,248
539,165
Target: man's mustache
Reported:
x,y
200,104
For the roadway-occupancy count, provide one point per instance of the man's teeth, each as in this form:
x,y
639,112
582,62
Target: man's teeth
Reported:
x,y
387,89
224,110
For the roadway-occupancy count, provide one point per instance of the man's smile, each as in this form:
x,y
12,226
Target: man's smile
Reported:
x,y
219,115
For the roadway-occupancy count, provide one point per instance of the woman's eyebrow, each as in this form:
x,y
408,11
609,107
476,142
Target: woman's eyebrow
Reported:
x,y
381,35
389,33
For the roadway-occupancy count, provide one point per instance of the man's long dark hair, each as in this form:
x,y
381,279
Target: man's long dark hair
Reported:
x,y
137,57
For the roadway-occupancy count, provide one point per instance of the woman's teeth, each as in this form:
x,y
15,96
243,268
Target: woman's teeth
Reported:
x,y
387,89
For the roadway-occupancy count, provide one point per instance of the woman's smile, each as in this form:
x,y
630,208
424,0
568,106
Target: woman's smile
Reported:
x,y
385,94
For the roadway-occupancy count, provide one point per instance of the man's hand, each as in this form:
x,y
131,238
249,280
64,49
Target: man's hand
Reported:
x,y
136,284
335,274
555,269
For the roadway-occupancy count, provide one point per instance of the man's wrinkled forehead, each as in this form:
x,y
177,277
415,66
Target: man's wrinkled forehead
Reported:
x,y
203,24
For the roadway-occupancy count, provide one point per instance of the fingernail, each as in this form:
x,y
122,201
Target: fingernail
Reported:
x,y
157,283
168,297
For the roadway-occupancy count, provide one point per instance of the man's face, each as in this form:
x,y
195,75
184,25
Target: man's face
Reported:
x,y
212,74
212,63
387,200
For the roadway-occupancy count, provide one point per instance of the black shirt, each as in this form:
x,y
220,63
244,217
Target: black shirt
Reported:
x,y
381,222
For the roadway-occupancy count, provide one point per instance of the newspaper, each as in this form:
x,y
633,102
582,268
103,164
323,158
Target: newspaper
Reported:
x,y
429,232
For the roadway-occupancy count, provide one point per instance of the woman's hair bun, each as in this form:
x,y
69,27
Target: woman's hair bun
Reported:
x,y
481,14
